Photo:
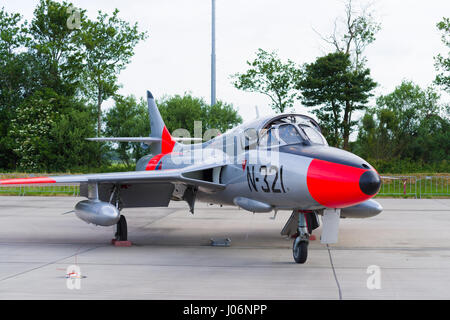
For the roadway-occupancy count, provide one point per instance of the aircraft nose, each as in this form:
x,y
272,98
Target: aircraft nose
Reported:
x,y
370,182
336,185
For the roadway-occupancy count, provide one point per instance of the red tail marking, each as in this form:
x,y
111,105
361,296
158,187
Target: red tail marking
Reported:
x,y
167,144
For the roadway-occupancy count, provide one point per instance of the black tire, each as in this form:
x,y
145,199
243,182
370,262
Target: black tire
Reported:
x,y
300,251
122,232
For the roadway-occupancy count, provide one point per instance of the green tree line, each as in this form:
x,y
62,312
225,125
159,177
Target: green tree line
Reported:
x,y
129,118
56,71
408,125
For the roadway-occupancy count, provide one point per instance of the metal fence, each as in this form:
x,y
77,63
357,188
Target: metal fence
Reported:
x,y
434,185
405,186
415,186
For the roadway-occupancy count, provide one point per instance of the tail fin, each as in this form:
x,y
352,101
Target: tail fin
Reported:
x,y
160,138
158,128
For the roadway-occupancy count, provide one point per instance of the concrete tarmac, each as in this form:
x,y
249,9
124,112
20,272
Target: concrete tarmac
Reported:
x,y
171,256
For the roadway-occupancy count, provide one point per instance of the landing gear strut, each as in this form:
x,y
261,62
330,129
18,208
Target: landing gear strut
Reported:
x,y
121,229
300,247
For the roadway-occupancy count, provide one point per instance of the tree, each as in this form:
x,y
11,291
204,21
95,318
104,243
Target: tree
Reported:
x,y
32,137
349,39
405,124
56,141
443,64
13,34
69,149
352,34
108,44
220,116
271,77
13,77
54,45
180,112
128,118
43,119
339,90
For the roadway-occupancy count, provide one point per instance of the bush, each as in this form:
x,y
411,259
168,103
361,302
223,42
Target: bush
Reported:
x,y
397,166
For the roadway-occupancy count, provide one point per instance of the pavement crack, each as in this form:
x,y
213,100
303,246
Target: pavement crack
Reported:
x,y
334,273
49,263
159,218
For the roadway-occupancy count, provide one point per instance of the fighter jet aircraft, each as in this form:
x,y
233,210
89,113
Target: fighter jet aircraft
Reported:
x,y
275,163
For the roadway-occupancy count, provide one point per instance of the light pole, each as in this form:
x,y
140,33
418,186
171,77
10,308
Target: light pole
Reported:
x,y
213,53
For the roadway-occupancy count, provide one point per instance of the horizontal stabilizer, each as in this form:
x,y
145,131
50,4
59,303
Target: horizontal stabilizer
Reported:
x,y
146,140
186,139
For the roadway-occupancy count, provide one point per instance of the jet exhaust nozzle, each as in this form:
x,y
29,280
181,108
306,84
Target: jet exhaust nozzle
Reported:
x,y
97,212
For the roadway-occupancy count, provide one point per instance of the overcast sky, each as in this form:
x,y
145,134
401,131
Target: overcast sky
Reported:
x,y
176,56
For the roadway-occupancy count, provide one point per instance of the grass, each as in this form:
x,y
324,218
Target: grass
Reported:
x,y
72,190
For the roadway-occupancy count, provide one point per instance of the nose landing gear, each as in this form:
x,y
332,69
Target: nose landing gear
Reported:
x,y
300,246
307,222
300,250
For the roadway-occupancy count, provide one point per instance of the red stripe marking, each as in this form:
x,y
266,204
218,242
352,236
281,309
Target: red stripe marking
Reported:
x,y
335,185
154,162
27,180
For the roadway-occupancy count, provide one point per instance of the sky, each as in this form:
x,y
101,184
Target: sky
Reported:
x,y
176,57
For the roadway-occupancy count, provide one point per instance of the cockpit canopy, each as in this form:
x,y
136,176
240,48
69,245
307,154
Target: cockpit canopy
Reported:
x,y
283,130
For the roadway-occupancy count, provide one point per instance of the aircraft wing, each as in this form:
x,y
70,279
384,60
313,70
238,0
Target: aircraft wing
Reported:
x,y
198,176
138,188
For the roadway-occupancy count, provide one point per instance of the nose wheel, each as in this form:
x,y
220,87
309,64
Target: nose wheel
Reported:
x,y
300,250
300,246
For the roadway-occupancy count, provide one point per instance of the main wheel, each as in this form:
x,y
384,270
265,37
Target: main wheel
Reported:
x,y
300,250
122,233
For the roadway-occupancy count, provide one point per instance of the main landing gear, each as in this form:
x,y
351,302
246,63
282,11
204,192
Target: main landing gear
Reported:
x,y
121,229
121,234
307,222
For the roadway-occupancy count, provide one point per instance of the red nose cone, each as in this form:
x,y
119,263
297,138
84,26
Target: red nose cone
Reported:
x,y
336,185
